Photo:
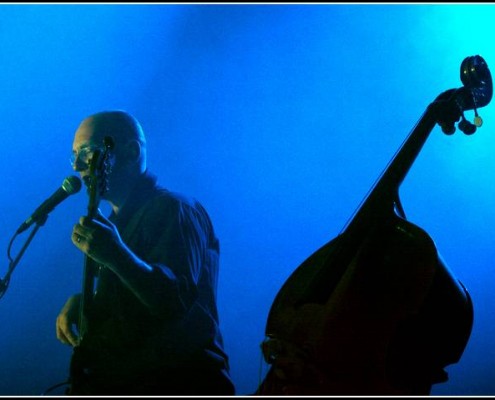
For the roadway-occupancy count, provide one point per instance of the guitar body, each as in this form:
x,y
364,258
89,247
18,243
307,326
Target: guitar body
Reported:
x,y
81,354
78,373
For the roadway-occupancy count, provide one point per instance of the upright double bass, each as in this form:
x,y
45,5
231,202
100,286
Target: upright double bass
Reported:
x,y
376,310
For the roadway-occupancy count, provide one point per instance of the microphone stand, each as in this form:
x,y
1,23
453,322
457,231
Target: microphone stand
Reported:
x,y
5,281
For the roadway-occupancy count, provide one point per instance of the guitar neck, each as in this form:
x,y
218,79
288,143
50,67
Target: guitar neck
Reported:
x,y
97,184
89,276
89,267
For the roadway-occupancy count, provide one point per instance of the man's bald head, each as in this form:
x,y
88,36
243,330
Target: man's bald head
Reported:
x,y
125,130
118,124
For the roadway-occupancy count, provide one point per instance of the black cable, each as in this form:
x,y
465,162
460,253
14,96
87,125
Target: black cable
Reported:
x,y
56,386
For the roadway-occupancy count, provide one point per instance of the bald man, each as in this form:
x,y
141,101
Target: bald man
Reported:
x,y
151,325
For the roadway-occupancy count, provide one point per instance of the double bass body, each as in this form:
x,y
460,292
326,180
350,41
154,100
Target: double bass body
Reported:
x,y
376,311
395,318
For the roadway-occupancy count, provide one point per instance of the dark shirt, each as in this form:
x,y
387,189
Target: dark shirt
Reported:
x,y
180,349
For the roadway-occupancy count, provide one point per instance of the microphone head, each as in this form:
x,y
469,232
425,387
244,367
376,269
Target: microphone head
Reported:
x,y
72,184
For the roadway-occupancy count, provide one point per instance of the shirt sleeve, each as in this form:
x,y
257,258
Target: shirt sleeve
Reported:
x,y
178,247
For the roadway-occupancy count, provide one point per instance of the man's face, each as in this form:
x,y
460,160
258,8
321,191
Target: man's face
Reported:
x,y
88,144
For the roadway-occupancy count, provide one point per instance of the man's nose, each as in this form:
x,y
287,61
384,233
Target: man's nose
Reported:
x,y
79,166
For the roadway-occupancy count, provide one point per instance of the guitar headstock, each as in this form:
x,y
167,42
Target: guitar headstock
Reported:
x,y
97,179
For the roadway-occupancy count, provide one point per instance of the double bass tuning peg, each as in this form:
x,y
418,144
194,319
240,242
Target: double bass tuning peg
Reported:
x,y
447,127
464,125
467,127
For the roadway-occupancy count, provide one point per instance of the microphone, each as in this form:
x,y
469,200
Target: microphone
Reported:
x,y
70,185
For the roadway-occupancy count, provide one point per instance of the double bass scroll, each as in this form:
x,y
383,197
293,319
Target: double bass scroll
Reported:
x,y
376,310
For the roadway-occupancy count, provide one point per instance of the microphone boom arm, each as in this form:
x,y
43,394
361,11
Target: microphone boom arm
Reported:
x,y
4,283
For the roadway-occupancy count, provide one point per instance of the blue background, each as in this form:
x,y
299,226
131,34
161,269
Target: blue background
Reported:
x,y
278,118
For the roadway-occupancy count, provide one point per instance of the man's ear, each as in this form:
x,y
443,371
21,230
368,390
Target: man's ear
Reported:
x,y
133,151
